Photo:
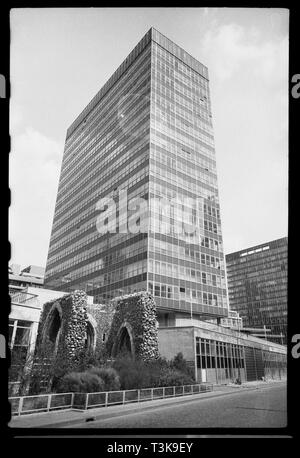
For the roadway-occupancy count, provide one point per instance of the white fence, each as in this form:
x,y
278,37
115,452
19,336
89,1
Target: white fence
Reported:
x,y
47,402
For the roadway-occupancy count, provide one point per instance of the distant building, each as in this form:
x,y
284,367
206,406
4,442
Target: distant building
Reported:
x,y
34,271
257,287
233,321
23,281
30,276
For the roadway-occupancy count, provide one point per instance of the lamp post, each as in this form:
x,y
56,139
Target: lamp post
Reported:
x,y
239,354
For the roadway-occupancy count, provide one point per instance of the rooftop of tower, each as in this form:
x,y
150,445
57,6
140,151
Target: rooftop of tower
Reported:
x,y
283,241
151,35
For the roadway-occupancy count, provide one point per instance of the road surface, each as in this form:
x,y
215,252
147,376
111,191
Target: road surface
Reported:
x,y
260,408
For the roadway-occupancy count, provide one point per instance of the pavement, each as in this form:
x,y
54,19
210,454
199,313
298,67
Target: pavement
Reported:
x,y
259,407
254,384
72,418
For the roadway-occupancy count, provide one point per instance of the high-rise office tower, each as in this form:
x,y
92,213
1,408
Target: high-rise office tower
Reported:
x,y
257,287
146,136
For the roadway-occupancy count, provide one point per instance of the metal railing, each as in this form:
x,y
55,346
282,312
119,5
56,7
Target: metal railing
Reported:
x,y
21,405
105,399
82,401
23,297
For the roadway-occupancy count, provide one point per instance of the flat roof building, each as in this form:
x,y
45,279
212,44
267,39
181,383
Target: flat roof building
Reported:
x,y
35,271
29,276
23,281
221,355
146,136
257,287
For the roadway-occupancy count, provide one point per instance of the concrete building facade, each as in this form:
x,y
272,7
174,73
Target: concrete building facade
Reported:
x,y
221,355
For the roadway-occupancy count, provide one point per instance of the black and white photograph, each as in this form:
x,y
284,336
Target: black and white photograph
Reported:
x,y
148,220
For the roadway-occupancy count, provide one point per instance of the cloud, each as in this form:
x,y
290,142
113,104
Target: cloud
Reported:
x,y
32,147
231,47
249,89
34,171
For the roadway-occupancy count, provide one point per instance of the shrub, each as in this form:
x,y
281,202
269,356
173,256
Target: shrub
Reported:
x,y
109,376
70,382
175,378
133,373
155,369
87,359
91,383
82,382
180,364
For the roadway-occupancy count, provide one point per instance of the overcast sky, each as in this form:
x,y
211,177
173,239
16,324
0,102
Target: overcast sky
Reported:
x,y
60,58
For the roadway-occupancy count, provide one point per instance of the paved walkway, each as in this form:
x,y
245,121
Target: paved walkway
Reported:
x,y
254,384
72,417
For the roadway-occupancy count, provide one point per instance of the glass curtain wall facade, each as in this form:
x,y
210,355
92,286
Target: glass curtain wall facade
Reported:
x,y
187,275
107,149
148,131
257,287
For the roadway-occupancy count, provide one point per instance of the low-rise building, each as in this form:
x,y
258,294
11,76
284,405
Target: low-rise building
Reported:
x,y
221,355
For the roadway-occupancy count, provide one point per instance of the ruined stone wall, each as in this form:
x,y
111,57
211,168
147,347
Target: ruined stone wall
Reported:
x,y
134,314
72,310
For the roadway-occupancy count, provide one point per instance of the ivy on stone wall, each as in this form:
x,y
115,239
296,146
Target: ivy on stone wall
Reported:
x,y
137,312
71,339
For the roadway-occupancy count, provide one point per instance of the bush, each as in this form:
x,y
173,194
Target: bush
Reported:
x,y
70,382
127,374
175,378
180,364
136,374
133,373
81,382
155,369
109,376
87,359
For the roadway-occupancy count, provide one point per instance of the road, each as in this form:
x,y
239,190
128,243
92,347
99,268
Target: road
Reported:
x,y
260,408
